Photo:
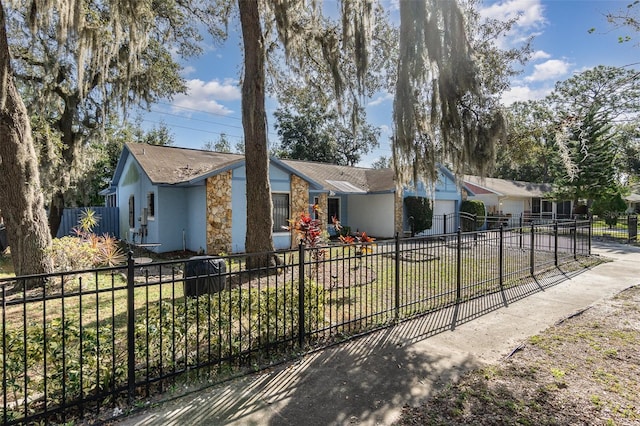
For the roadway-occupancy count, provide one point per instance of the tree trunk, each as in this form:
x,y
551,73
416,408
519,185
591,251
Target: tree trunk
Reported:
x,y
56,208
70,153
22,200
259,206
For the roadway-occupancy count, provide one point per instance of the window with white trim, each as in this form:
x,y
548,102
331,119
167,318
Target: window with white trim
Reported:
x,y
132,211
280,211
151,205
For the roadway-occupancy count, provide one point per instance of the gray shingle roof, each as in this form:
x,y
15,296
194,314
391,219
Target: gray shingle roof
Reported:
x,y
172,165
345,179
633,198
510,188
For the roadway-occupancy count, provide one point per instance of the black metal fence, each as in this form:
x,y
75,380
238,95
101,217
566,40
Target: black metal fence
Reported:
x,y
86,340
617,227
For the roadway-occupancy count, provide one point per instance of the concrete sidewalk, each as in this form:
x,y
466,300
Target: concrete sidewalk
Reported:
x,y
367,381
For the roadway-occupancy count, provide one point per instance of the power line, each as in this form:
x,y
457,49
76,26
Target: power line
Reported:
x,y
155,111
194,119
191,128
200,111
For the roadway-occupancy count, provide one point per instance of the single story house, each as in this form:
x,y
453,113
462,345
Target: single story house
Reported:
x,y
172,198
516,199
633,203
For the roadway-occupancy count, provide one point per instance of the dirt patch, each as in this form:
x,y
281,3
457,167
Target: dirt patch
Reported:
x,y
584,370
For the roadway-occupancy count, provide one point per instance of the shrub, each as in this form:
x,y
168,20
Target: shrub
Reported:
x,y
476,208
66,360
85,250
609,208
224,324
420,209
71,361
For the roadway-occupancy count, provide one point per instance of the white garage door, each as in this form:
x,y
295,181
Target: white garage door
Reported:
x,y
442,208
515,208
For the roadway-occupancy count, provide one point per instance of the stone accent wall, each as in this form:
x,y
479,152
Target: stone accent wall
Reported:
x,y
219,215
299,200
398,208
323,205
299,196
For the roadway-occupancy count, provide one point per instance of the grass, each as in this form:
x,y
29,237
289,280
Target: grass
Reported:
x,y
424,286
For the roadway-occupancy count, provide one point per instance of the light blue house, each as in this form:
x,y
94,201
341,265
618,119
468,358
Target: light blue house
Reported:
x,y
174,199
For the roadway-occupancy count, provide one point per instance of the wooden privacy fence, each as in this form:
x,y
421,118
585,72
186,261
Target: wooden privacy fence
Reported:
x,y
108,224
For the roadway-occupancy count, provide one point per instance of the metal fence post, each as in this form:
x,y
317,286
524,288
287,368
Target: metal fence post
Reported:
x,y
301,319
555,242
501,258
459,267
131,317
397,278
590,233
444,223
532,255
521,229
575,239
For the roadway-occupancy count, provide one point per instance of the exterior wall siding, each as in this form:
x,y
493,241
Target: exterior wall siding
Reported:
x,y
378,220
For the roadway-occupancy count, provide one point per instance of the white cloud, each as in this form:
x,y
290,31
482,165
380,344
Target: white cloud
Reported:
x,y
380,100
205,96
227,90
188,70
549,70
540,54
524,93
531,12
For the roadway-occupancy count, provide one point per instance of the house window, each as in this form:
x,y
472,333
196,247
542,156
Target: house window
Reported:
x,y
280,211
151,205
333,209
132,212
564,209
535,205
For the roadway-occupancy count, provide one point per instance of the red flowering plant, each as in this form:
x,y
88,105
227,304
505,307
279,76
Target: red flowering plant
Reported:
x,y
360,241
309,232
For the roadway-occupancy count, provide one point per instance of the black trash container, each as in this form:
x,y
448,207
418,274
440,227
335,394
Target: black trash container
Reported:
x,y
204,274
3,238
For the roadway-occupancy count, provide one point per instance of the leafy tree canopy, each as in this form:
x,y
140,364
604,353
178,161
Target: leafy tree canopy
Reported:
x,y
311,131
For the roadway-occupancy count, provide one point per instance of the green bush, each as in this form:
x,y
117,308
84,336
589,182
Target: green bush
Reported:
x,y
74,362
85,250
228,323
474,207
71,362
420,209
609,208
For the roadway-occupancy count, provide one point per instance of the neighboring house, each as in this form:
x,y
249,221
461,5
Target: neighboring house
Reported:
x,y
633,203
173,198
516,199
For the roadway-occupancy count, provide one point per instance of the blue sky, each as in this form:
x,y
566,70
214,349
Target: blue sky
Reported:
x,y
562,45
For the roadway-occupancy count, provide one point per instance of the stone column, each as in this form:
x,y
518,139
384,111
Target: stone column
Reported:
x,y
299,201
219,214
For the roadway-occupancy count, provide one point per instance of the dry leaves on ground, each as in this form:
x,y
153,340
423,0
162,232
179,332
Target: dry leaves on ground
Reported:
x,y
584,370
